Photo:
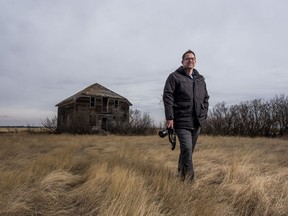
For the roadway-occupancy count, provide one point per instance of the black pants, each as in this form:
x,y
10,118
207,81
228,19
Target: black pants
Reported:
x,y
188,139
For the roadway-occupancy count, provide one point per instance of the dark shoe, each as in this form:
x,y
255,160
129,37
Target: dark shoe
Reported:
x,y
190,178
181,176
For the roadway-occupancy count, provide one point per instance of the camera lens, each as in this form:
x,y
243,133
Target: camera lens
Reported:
x,y
163,133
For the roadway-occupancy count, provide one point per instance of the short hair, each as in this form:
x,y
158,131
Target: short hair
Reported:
x,y
188,51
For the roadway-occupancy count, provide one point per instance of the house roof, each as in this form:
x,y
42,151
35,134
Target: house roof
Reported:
x,y
94,90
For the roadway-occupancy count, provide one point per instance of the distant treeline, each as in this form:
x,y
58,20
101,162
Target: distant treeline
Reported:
x,y
21,126
251,118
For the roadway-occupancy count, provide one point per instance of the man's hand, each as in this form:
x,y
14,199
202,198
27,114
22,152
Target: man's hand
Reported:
x,y
170,123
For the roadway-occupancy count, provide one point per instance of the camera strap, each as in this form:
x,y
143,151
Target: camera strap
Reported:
x,y
172,138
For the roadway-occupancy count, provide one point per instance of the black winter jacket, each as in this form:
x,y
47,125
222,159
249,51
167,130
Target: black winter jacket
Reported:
x,y
185,99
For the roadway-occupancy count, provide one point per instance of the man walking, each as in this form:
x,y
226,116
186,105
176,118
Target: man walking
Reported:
x,y
186,104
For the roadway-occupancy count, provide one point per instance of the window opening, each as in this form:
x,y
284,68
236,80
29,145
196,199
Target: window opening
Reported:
x,y
92,102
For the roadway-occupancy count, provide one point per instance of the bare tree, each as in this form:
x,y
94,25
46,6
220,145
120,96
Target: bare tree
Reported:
x,y
250,118
50,124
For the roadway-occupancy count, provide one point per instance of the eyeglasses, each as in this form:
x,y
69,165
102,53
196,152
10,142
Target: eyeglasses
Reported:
x,y
187,59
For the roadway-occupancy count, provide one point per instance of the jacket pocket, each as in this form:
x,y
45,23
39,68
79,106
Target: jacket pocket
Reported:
x,y
203,112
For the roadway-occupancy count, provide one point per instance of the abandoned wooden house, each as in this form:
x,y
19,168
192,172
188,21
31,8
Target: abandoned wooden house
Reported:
x,y
92,109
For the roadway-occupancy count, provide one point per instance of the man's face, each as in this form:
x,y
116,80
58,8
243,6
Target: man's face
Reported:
x,y
189,61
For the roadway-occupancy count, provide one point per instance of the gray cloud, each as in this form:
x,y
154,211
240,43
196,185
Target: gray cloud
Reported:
x,y
50,50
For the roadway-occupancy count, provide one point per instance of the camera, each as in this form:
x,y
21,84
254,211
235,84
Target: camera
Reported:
x,y
172,136
163,133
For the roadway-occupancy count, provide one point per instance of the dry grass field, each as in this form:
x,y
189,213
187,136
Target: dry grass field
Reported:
x,y
23,129
129,175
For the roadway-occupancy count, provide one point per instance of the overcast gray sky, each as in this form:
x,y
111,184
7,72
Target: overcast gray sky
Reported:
x,y
51,49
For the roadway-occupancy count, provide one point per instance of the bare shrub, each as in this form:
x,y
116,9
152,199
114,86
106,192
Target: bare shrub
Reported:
x,y
50,124
139,124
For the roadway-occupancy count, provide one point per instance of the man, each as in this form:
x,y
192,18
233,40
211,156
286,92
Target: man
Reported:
x,y
186,104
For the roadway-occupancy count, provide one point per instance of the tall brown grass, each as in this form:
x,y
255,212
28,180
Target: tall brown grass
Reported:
x,y
118,175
